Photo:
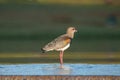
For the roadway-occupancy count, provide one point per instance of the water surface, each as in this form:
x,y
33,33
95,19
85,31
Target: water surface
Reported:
x,y
53,69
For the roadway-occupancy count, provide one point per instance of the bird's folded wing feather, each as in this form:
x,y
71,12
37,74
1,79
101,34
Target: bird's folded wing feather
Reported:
x,y
58,43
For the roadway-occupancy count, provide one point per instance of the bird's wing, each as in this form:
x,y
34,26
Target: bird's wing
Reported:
x,y
58,43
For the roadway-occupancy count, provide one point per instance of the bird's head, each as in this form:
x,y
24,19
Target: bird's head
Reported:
x,y
71,31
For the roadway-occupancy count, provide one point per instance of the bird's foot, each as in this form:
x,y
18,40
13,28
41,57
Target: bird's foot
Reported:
x,y
61,66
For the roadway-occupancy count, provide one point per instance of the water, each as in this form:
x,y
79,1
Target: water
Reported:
x,y
53,69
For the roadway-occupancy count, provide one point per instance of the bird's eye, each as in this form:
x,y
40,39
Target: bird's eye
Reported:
x,y
73,29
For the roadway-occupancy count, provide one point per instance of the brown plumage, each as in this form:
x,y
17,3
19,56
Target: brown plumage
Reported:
x,y
61,43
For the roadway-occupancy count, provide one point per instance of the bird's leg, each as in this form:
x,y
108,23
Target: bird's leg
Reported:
x,y
61,59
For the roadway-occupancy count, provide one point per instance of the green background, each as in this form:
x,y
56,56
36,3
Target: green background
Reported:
x,y
26,28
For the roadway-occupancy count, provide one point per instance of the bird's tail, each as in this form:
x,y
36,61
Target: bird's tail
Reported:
x,y
43,51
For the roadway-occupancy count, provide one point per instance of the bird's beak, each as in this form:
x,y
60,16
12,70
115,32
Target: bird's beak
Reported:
x,y
75,30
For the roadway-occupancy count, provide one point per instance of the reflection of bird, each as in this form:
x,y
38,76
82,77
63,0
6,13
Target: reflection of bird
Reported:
x,y
61,43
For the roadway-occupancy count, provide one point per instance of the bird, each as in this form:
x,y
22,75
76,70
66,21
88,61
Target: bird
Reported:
x,y
60,43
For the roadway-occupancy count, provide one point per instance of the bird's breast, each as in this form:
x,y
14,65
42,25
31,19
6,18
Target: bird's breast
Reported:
x,y
67,41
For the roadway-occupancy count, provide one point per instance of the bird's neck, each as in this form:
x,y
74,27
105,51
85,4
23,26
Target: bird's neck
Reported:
x,y
71,35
